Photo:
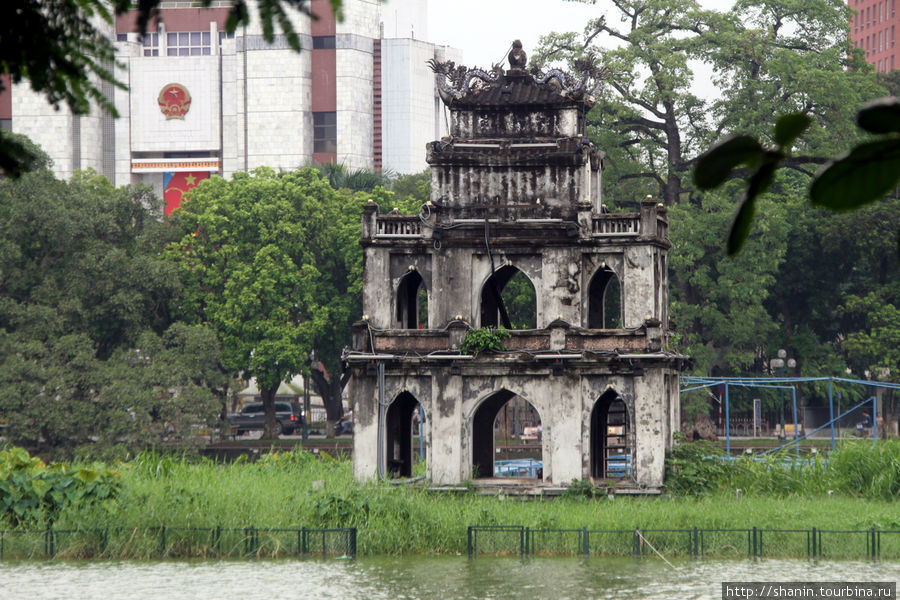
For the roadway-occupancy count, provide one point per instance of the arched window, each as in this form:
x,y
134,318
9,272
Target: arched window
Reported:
x,y
508,299
503,421
604,300
403,424
412,302
610,437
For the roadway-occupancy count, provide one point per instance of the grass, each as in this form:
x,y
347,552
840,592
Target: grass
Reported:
x,y
290,490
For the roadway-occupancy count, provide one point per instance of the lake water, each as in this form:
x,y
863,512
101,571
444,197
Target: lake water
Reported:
x,y
412,578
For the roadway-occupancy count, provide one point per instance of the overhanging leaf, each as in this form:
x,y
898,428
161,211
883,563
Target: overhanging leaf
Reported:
x,y
716,164
880,116
762,179
789,127
740,229
864,175
743,222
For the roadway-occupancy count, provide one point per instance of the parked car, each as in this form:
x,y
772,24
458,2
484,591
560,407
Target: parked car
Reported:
x,y
288,415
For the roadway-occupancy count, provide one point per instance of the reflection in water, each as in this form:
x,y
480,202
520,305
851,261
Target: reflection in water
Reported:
x,y
411,577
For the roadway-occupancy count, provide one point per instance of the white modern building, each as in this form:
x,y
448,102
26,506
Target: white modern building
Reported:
x,y
201,101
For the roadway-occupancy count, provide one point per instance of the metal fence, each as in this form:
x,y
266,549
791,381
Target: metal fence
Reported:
x,y
178,542
696,543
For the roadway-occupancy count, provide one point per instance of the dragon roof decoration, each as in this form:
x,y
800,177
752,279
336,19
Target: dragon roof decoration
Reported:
x,y
461,86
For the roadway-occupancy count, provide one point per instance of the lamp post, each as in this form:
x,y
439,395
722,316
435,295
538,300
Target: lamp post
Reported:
x,y
778,366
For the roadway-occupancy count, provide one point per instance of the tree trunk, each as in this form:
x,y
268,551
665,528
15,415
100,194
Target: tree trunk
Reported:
x,y
331,392
268,398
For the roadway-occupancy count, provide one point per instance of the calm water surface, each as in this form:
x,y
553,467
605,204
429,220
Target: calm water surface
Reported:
x,y
411,577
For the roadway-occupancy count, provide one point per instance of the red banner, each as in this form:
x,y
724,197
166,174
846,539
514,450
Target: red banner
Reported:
x,y
177,184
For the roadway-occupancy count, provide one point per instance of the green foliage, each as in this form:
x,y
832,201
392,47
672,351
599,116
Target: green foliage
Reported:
x,y
521,301
716,165
868,470
695,468
411,191
340,177
484,339
271,262
296,489
856,468
89,355
35,494
719,302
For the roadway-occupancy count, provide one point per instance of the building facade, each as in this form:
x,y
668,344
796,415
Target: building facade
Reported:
x,y
874,28
516,193
202,101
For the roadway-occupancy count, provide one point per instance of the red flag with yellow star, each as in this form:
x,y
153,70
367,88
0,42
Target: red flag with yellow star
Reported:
x,y
176,184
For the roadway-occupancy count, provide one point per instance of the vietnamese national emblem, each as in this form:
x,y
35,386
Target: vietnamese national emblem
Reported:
x,y
174,101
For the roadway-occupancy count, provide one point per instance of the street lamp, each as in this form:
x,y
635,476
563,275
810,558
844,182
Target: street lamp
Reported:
x,y
778,367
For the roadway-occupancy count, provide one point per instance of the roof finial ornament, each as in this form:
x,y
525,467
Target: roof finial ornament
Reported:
x,y
517,56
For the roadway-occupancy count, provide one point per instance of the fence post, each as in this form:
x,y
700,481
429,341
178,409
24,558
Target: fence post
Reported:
x,y
587,542
305,544
754,555
523,542
469,540
48,543
636,550
162,544
694,543
353,540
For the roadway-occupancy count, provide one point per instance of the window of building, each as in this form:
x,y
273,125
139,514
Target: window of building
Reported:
x,y
323,42
151,44
325,132
188,43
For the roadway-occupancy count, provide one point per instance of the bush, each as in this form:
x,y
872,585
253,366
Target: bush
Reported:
x,y
34,494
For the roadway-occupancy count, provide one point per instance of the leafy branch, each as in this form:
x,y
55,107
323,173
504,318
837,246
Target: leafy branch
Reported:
x,y
868,172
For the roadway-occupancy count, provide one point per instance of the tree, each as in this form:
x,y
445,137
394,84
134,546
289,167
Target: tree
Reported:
x,y
271,261
646,116
719,303
877,349
800,64
84,295
58,47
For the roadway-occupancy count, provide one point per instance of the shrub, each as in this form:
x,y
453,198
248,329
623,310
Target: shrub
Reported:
x,y
34,494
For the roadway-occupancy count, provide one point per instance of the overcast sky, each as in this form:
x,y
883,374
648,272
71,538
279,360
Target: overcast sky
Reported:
x,y
484,29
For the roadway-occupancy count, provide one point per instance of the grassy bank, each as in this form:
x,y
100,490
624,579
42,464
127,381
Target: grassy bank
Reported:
x,y
298,489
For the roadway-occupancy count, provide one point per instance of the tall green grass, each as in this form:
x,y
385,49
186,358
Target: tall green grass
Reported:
x,y
298,489
858,468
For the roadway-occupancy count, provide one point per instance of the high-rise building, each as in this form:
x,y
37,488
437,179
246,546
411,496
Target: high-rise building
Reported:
x,y
202,101
874,29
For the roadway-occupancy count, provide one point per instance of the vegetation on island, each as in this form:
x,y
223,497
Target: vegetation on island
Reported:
x,y
292,490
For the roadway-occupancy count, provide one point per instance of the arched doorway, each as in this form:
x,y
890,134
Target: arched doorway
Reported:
x,y
402,424
604,300
506,420
610,437
412,302
508,298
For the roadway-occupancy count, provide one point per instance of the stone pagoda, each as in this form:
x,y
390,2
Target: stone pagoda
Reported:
x,y
515,193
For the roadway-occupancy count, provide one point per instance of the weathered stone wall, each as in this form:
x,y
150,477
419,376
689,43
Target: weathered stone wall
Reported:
x,y
564,404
